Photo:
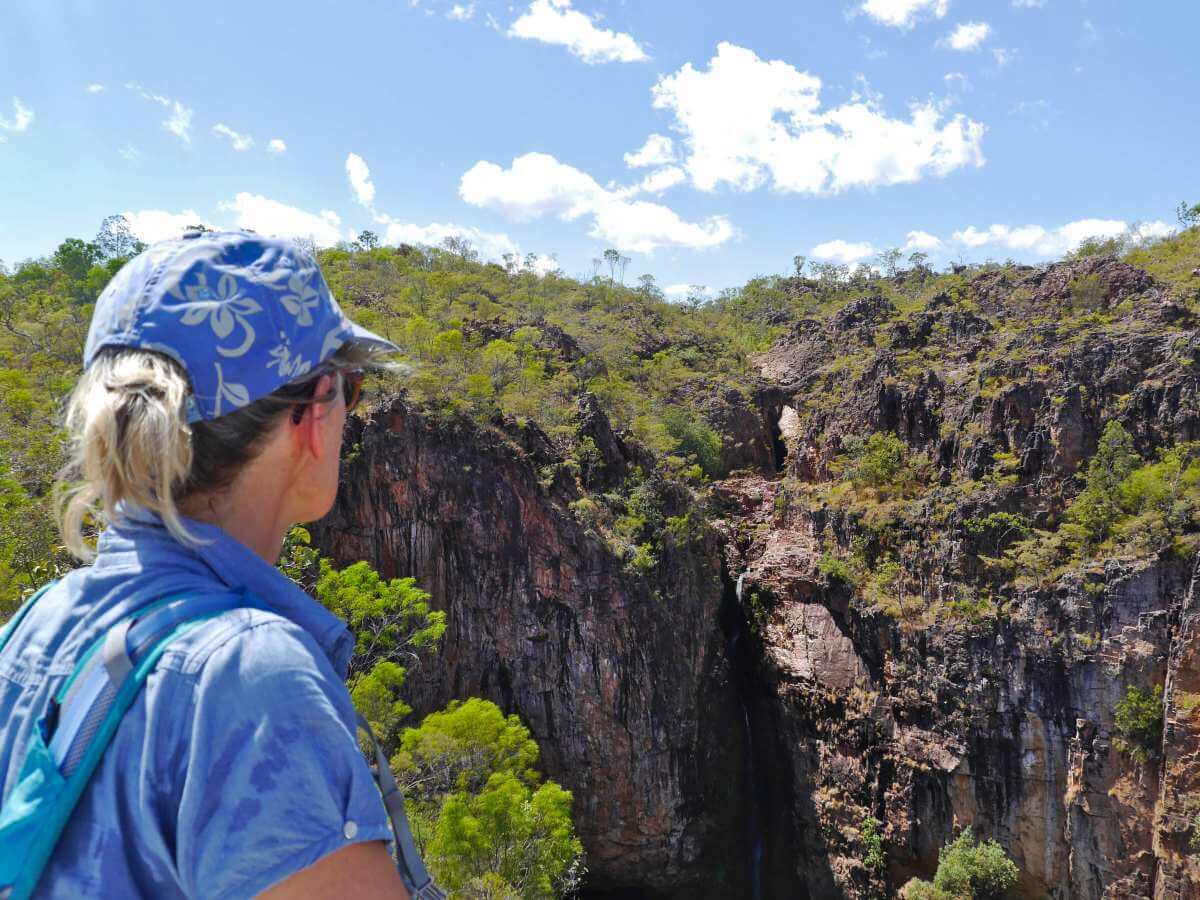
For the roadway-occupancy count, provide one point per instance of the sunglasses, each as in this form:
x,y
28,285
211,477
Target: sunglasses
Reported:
x,y
352,383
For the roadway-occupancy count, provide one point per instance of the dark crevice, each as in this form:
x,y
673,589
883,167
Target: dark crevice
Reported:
x,y
778,447
765,797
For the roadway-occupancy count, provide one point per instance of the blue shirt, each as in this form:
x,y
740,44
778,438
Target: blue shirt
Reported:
x,y
238,764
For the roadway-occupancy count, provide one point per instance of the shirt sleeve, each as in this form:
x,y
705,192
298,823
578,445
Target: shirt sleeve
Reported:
x,y
274,776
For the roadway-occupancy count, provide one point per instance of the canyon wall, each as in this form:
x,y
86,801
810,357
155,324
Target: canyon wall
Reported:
x,y
729,720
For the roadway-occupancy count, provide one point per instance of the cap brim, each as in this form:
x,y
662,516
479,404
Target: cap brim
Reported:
x,y
360,335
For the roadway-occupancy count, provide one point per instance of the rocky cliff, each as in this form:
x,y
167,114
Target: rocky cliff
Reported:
x,y
730,717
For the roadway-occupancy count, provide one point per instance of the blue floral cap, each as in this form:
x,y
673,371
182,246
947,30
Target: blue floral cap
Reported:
x,y
243,314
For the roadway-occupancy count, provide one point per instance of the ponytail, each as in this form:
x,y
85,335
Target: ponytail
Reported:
x,y
130,442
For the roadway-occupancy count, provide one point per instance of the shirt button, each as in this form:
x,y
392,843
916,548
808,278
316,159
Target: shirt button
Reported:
x,y
350,830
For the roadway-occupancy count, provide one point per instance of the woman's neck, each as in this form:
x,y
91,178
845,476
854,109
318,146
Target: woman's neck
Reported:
x,y
252,510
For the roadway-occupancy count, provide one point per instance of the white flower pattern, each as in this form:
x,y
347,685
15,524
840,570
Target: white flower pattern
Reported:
x,y
287,365
223,308
236,394
302,298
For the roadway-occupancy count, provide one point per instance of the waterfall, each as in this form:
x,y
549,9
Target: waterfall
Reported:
x,y
734,625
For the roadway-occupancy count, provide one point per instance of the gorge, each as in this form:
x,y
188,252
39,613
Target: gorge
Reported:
x,y
729,717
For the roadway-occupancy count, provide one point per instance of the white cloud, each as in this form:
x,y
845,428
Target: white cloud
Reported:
x,y
276,146
21,120
657,150
684,290
967,37
904,13
1028,4
538,185
544,265
490,246
461,13
843,251
238,141
1149,231
747,121
922,241
1002,56
152,225
270,217
957,81
660,180
130,152
360,179
178,122
95,89
555,22
1038,241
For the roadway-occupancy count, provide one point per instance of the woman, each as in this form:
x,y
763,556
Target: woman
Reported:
x,y
218,374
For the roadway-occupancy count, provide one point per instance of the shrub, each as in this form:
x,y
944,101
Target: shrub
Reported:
x,y
967,871
998,529
694,439
873,856
1127,506
1138,721
882,461
1098,506
484,821
836,569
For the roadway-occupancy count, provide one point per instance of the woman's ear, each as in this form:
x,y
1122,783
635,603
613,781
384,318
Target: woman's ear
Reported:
x,y
309,420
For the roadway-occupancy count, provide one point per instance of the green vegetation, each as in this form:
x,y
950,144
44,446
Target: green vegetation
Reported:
x,y
967,871
1126,507
874,859
391,621
1138,721
880,462
485,822
1173,260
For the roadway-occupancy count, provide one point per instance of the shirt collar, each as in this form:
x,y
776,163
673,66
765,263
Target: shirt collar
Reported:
x,y
236,566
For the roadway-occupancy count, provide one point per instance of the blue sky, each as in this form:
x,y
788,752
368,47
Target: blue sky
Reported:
x,y
708,141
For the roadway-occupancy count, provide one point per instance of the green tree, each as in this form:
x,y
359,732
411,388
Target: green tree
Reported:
x,y
880,462
481,814
75,257
694,439
889,261
1138,721
967,871
1189,216
116,240
392,623
1098,506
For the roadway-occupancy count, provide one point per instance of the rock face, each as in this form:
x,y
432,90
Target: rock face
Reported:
x,y
729,722
625,684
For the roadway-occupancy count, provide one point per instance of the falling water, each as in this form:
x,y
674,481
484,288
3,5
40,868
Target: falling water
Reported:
x,y
754,828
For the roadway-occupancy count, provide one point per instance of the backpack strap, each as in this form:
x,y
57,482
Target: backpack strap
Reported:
x,y
65,749
412,870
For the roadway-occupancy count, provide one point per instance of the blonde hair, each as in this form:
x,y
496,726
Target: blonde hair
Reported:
x,y
130,442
